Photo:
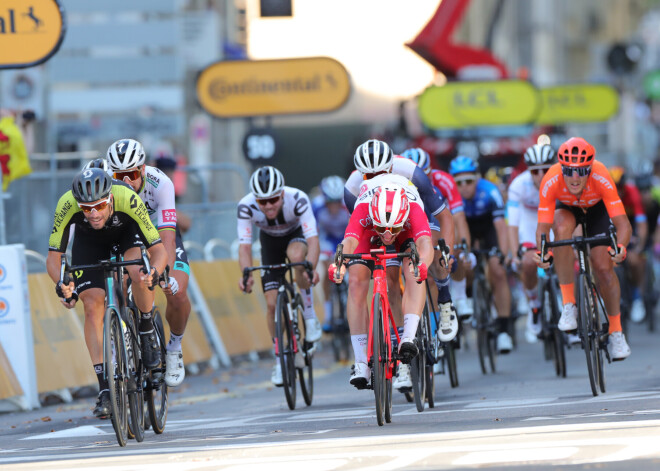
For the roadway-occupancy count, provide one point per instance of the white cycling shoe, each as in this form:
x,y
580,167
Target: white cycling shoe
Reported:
x,y
448,323
402,379
313,330
360,376
504,343
464,308
276,376
568,319
637,311
174,370
618,347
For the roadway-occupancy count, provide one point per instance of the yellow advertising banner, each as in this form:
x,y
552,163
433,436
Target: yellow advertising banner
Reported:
x,y
231,89
468,104
586,103
30,32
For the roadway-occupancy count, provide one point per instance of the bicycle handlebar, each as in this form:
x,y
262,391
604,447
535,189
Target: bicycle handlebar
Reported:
x,y
579,242
378,254
444,251
306,264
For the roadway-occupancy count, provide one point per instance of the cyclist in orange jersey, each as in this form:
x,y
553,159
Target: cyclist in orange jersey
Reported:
x,y
580,186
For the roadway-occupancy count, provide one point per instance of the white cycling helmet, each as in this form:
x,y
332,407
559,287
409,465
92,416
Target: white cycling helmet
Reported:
x,y
266,182
125,154
373,156
333,188
389,206
539,154
98,163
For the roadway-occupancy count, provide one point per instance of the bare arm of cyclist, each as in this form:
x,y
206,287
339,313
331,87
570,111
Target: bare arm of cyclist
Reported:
x,y
447,229
53,265
313,252
168,238
245,261
623,234
500,228
462,228
158,260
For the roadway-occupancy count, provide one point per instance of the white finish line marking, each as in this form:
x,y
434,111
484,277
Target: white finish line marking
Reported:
x,y
83,431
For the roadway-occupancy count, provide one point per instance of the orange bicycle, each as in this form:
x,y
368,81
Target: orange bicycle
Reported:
x,y
383,358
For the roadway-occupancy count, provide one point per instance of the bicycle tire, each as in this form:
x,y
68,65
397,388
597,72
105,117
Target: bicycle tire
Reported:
x,y
586,329
418,364
306,374
156,393
450,356
650,294
388,400
114,363
379,359
341,341
558,338
599,345
285,345
429,348
481,321
135,391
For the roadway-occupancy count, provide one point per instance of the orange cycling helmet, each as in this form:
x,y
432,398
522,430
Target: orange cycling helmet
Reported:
x,y
576,152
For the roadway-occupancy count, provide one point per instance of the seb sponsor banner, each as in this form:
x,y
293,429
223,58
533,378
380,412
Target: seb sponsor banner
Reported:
x,y
16,321
231,89
514,102
30,32
578,103
466,104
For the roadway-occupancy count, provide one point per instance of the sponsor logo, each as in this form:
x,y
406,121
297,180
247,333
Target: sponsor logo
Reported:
x,y
169,215
366,222
59,217
4,307
363,188
3,273
602,180
153,181
548,184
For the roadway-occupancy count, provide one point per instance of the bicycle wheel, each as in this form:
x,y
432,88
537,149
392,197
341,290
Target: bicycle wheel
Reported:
x,y
429,348
135,391
481,318
600,337
388,400
285,348
156,394
450,357
418,364
306,374
116,372
378,359
551,306
341,341
650,294
585,324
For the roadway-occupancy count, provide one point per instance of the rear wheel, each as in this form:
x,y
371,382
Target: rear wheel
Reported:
x,y
481,318
285,349
116,371
379,359
156,394
450,357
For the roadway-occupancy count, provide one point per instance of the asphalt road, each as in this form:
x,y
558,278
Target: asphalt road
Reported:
x,y
522,416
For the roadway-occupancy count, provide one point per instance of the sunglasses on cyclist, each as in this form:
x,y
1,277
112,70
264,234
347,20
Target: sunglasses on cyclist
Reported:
x,y
391,230
539,170
98,206
570,171
265,201
132,175
465,181
369,176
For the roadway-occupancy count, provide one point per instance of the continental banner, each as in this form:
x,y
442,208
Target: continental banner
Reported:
x,y
231,89
581,103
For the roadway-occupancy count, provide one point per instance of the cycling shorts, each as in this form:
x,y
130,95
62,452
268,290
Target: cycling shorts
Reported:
x,y
273,252
88,248
484,235
596,217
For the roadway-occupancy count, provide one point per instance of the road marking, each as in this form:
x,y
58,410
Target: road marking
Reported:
x,y
506,456
82,431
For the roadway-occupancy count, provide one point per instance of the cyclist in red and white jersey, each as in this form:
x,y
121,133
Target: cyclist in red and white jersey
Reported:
x,y
287,230
632,203
393,216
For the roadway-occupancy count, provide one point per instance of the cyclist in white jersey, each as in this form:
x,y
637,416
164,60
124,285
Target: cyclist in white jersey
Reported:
x,y
522,212
126,159
287,230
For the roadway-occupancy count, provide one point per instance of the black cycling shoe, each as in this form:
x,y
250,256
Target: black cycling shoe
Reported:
x,y
150,349
102,409
408,351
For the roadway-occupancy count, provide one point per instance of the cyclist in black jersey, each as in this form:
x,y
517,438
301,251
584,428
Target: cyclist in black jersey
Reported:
x,y
105,215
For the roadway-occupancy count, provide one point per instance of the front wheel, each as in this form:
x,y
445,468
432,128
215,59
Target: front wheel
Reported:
x,y
418,365
285,349
135,391
379,359
304,354
156,393
116,372
585,323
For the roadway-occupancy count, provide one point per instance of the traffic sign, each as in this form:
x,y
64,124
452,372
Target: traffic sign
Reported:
x,y
30,32
467,104
578,104
231,89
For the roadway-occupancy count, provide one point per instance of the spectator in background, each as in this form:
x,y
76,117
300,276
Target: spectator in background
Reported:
x,y
167,165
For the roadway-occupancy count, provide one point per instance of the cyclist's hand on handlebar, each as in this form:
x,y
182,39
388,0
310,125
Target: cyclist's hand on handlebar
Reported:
x,y
421,273
545,263
335,275
620,254
65,292
315,277
172,288
149,279
247,287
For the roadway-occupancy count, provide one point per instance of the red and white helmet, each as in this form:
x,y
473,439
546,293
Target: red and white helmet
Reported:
x,y
389,206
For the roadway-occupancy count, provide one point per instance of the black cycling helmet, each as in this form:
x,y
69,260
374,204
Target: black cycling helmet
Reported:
x,y
91,184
